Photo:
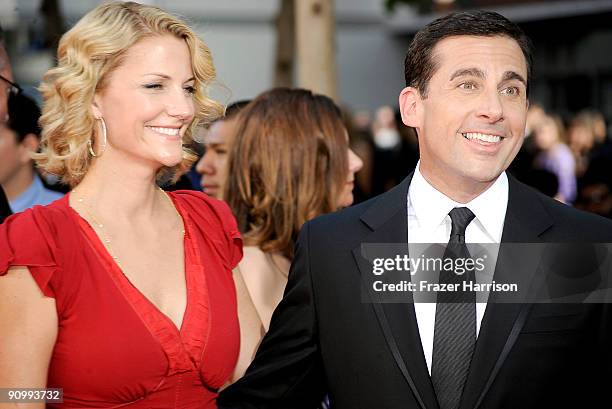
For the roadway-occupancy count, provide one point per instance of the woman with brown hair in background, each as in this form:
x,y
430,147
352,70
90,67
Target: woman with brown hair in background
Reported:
x,y
288,163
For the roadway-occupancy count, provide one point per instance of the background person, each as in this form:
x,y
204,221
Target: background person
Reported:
x,y
19,139
5,82
216,138
119,293
288,163
556,157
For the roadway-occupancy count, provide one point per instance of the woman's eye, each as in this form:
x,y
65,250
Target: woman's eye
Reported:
x,y
190,90
153,86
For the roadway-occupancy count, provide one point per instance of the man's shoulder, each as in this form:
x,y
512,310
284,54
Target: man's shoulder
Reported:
x,y
347,217
567,220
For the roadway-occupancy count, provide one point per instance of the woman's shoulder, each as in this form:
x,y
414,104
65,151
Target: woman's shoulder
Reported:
x,y
257,262
254,258
202,205
32,239
214,220
29,224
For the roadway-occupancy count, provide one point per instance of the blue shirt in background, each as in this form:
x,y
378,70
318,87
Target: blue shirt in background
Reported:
x,y
36,194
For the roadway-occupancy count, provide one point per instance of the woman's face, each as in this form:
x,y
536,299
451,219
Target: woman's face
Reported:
x,y
147,102
354,165
547,134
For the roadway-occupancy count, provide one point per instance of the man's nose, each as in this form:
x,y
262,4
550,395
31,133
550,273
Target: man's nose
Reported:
x,y
204,165
490,106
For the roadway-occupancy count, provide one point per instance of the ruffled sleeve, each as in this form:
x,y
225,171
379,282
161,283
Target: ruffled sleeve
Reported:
x,y
216,221
27,239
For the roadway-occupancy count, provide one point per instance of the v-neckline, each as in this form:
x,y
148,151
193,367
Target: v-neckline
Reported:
x,y
183,345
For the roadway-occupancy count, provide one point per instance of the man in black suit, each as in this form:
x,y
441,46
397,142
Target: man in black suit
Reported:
x,y
467,77
5,209
5,72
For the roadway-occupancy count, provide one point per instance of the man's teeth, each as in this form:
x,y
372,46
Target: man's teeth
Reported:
x,y
482,137
166,131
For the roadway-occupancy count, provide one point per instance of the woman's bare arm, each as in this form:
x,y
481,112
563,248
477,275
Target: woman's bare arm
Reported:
x,y
251,327
28,324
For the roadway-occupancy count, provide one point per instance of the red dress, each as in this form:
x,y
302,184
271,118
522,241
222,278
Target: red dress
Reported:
x,y
114,347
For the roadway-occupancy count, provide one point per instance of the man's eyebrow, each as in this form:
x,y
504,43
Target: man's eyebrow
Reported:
x,y
511,75
468,72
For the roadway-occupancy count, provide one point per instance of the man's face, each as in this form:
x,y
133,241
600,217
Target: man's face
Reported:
x,y
212,164
472,122
11,154
5,71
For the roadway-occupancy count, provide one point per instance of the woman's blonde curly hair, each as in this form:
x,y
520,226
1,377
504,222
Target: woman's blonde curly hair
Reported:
x,y
87,54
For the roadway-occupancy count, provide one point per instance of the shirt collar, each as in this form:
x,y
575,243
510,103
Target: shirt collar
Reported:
x,y
431,206
27,199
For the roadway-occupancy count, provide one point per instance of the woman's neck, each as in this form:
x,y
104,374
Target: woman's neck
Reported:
x,y
120,192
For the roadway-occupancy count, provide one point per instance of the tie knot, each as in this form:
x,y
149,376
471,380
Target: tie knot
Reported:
x,y
460,217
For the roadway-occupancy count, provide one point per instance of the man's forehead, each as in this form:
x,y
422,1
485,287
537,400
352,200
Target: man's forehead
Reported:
x,y
464,51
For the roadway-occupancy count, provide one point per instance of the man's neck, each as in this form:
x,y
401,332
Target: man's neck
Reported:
x,y
455,188
19,182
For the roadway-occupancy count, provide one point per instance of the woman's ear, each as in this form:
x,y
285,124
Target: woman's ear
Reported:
x,y
95,108
409,105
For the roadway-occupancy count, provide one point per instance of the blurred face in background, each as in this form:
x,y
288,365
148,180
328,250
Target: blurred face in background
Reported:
x,y
212,164
10,154
535,117
354,165
581,138
5,71
547,134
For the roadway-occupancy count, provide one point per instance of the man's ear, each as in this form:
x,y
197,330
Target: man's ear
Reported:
x,y
29,145
410,107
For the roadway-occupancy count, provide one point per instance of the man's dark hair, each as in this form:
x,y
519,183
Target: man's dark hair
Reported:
x,y
420,66
234,108
23,116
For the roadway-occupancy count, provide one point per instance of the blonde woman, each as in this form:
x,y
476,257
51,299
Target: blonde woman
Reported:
x,y
289,162
119,293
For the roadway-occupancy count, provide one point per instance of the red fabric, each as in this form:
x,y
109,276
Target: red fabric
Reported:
x,y
114,347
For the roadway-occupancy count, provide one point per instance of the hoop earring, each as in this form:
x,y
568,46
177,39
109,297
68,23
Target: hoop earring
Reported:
x,y
90,144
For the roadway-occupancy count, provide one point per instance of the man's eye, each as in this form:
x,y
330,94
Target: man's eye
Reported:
x,y
467,85
511,91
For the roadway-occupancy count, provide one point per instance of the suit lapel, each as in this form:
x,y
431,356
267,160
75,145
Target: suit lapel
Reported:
x,y
526,219
387,218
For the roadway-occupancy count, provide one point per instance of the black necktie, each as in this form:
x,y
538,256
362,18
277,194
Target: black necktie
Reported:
x,y
455,327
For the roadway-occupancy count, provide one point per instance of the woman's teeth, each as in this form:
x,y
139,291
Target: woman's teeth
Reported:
x,y
166,131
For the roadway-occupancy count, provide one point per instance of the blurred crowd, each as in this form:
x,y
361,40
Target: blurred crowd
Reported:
x,y
567,158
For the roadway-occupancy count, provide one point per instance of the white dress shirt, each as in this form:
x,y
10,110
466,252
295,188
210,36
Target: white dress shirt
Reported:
x,y
429,222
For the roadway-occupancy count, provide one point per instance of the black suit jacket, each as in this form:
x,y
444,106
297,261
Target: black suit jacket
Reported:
x,y
5,209
323,338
